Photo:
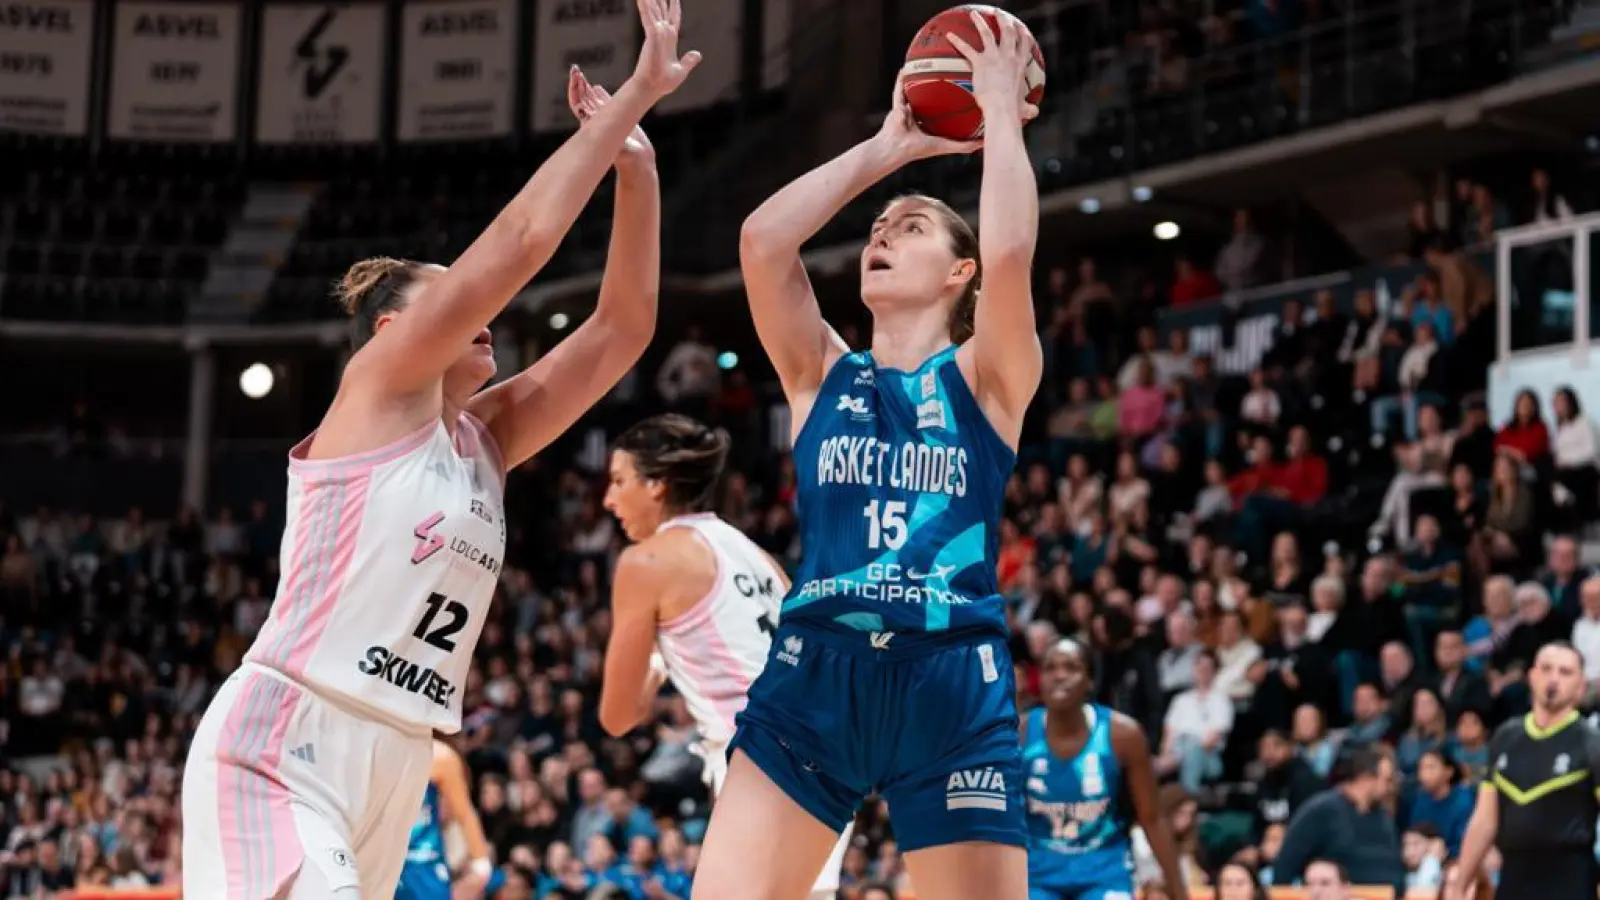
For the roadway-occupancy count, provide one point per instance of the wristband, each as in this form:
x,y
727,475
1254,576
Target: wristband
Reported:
x,y
481,867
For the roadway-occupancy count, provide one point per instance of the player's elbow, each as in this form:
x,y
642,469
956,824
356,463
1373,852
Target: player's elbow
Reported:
x,y
616,721
530,234
628,319
762,238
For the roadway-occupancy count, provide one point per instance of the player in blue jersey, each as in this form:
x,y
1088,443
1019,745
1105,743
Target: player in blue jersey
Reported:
x,y
889,669
1085,766
426,875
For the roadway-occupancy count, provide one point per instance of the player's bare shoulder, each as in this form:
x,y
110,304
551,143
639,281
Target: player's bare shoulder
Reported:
x,y
1127,736
675,563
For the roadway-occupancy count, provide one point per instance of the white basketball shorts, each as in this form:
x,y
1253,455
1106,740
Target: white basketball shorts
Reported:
x,y
278,779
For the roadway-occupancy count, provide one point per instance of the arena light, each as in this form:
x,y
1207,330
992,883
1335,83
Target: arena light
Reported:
x,y
558,321
727,359
1142,194
1166,231
1089,205
256,380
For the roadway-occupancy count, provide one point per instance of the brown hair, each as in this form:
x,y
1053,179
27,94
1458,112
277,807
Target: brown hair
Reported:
x,y
684,454
371,288
964,244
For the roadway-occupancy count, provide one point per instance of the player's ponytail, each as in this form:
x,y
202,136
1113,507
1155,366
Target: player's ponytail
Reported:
x,y
371,288
684,455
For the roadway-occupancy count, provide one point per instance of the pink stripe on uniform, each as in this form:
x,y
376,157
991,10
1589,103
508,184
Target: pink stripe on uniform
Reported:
x,y
329,522
261,847
717,674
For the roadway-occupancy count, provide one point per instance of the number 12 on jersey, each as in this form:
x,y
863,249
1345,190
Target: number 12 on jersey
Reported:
x,y
443,637
886,524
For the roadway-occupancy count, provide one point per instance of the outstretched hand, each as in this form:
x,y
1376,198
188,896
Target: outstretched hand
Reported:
x,y
660,69
906,139
999,66
585,99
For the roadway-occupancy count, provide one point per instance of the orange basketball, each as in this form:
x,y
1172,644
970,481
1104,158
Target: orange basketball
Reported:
x,y
938,79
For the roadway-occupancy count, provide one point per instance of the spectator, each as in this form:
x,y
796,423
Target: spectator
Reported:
x,y
1347,825
1439,801
1586,631
1576,453
1508,523
1421,229
689,374
1196,727
1524,437
1192,285
1260,405
1457,687
1432,579
1287,781
1548,206
1239,263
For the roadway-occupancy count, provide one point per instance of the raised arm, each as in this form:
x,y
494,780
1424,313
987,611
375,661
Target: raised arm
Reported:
x,y
528,411
1132,748
417,348
1006,357
455,789
787,318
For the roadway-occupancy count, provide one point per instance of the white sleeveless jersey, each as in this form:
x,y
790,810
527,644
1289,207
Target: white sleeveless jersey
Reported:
x,y
714,651
389,563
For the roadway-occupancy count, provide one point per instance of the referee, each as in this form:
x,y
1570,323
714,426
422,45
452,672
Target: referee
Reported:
x,y
1539,803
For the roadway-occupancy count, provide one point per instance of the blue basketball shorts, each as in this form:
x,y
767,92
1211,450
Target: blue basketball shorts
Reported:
x,y
1063,883
930,726
1122,891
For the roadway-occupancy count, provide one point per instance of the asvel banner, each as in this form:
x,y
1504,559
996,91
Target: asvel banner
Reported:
x,y
715,28
174,72
602,36
321,74
45,52
457,69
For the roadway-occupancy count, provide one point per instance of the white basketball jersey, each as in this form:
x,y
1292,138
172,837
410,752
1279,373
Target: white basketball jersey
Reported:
x,y
389,563
714,651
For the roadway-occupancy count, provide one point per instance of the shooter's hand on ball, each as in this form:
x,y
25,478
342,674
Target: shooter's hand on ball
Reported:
x,y
999,69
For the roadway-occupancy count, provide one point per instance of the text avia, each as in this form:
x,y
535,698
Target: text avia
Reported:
x,y
975,789
909,466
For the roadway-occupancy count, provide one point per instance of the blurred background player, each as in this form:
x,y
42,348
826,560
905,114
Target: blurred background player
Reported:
x,y
426,875
890,669
693,586
1538,805
1084,764
396,527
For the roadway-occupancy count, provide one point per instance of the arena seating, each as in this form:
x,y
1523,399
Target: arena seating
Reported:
x,y
125,239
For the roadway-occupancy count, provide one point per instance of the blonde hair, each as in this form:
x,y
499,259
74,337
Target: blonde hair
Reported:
x,y
371,288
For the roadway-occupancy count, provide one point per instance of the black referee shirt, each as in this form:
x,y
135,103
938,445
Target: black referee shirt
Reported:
x,y
1547,781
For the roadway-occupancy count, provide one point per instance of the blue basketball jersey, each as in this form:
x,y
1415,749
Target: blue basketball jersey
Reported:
x,y
1077,821
901,482
427,837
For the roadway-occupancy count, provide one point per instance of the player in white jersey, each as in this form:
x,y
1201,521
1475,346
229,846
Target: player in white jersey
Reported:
x,y
308,768
693,589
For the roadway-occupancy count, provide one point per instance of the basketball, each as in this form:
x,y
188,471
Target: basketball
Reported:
x,y
938,79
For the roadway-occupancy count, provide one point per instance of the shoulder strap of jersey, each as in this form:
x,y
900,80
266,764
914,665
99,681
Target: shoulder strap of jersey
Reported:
x,y
1033,728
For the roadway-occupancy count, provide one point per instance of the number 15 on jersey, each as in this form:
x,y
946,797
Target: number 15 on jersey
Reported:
x,y
886,524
